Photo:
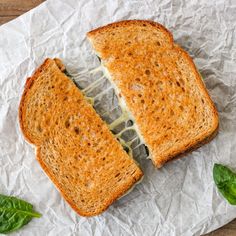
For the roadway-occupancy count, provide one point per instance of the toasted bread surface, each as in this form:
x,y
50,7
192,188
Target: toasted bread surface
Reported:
x,y
160,85
74,146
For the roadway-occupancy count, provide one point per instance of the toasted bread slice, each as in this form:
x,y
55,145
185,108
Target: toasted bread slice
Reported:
x,y
74,146
160,85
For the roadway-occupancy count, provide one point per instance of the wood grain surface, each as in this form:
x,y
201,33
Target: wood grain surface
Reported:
x,y
10,9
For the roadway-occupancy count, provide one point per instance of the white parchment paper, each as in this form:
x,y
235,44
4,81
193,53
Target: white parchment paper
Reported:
x,y
180,198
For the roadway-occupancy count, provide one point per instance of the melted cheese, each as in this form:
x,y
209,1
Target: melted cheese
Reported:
x,y
126,114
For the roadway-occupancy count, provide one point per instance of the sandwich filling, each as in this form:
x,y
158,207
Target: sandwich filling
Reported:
x,y
118,117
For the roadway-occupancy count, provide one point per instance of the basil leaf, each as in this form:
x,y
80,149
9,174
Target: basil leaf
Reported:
x,y
14,213
225,180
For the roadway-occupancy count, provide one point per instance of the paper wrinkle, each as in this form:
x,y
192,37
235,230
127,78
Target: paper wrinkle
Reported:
x,y
180,198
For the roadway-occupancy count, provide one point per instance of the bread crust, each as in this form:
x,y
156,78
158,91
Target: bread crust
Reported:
x,y
190,149
117,194
29,82
129,22
206,137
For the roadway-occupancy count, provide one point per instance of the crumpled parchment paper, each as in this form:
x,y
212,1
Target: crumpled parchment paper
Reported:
x,y
178,199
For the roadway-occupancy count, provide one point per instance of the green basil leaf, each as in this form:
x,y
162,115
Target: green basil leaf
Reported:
x,y
14,213
225,180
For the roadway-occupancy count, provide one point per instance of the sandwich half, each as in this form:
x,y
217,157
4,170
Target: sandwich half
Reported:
x,y
160,86
73,145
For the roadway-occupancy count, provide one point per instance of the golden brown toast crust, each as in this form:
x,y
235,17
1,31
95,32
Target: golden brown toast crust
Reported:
x,y
127,22
125,52
193,148
29,82
41,150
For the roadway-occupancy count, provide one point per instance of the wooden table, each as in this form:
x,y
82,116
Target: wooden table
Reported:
x,y
10,9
